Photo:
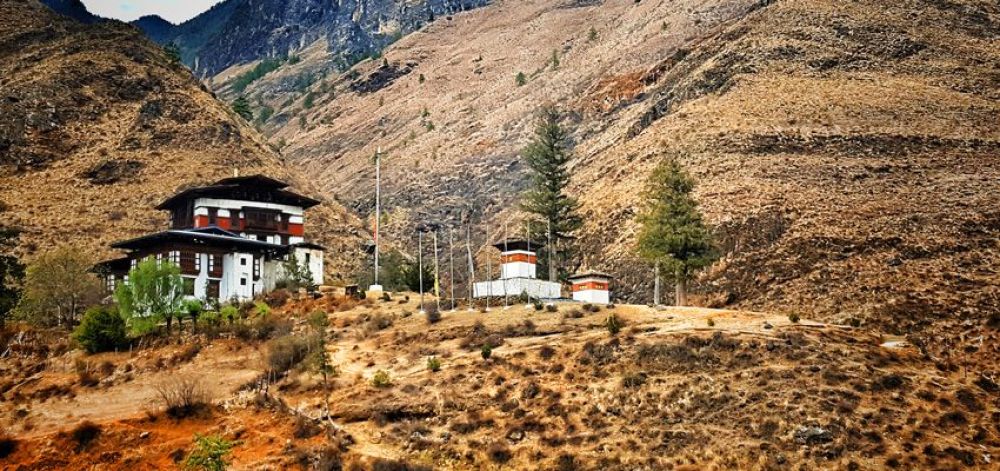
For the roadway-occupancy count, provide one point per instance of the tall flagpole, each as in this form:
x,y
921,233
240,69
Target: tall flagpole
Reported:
x,y
378,212
451,263
420,265
527,237
437,272
472,267
549,250
505,304
489,267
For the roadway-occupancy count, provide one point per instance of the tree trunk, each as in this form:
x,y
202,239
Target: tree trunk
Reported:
x,y
681,291
656,285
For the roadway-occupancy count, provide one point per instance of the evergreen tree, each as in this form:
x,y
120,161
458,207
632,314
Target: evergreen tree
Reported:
x,y
673,234
554,215
173,52
11,273
242,107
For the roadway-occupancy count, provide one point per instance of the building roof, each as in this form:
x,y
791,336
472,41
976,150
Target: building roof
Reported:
x,y
308,245
252,188
590,274
518,244
112,266
208,238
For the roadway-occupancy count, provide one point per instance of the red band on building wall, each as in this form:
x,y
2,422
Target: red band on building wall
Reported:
x,y
518,257
201,221
296,229
594,285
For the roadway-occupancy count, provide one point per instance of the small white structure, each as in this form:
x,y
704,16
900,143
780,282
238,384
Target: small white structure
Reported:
x,y
518,261
591,287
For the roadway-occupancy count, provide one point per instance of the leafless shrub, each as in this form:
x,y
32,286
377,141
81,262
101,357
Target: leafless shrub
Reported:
x,y
498,453
84,434
183,397
305,427
432,312
85,375
8,444
283,353
546,352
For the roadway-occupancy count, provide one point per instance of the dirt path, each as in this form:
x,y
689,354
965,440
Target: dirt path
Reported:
x,y
220,370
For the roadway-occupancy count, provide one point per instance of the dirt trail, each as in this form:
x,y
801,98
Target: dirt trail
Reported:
x,y
220,370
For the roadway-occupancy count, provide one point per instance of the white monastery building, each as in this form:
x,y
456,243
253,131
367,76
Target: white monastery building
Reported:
x,y
230,239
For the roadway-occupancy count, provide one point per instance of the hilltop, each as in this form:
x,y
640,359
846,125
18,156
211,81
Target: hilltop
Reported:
x,y
677,388
97,126
845,150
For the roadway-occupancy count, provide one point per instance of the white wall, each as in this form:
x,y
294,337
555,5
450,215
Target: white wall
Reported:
x,y
239,204
592,296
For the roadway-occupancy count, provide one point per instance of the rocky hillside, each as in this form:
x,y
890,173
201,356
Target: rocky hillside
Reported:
x,y
243,31
846,150
74,9
97,126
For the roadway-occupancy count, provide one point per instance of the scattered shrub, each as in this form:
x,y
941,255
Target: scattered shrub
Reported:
x,y
385,297
551,308
262,309
486,351
520,79
193,309
794,317
283,353
319,321
433,315
209,453
183,397
546,352
633,380
85,374
84,434
498,453
538,305
8,445
277,298
381,379
377,322
229,313
591,308
305,427
433,364
210,318
101,330
613,324
711,322
854,322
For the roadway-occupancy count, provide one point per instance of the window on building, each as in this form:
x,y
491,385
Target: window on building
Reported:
x,y
256,268
188,286
243,261
111,283
243,281
213,216
197,262
135,263
212,290
211,262
308,257
175,257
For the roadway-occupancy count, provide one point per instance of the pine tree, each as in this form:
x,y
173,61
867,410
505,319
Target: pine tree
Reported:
x,y
173,52
673,235
242,107
554,213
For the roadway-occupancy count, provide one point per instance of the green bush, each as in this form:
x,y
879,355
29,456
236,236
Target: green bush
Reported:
x,y
381,379
209,453
229,313
538,305
794,317
486,351
711,322
102,330
210,318
520,79
433,364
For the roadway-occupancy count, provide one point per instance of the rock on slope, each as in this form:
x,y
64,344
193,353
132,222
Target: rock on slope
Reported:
x,y
97,127
847,151
241,31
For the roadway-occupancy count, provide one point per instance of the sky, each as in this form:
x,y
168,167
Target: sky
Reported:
x,y
174,11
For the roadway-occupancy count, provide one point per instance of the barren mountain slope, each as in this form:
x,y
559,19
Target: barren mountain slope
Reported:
x,y
848,151
97,127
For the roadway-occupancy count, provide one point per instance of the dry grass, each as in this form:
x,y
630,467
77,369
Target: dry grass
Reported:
x,y
183,397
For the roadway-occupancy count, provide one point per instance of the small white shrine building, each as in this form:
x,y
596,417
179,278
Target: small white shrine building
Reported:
x,y
591,287
518,261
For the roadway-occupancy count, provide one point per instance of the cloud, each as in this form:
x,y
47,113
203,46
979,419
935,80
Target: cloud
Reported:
x,y
175,11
